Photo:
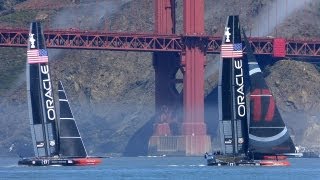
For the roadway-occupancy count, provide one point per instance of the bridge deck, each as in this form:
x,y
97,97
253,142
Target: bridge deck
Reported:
x,y
75,39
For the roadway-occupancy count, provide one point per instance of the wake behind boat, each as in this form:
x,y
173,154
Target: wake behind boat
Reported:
x,y
252,134
56,143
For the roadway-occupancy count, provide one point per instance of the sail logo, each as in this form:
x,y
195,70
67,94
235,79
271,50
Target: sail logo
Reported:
x,y
228,141
40,144
46,82
32,40
52,143
240,140
240,101
227,34
257,96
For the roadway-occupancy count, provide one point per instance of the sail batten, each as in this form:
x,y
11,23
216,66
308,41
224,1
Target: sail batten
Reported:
x,y
70,137
253,95
266,127
72,119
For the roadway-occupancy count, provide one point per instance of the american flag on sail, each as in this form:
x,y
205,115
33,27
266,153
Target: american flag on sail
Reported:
x,y
37,56
231,50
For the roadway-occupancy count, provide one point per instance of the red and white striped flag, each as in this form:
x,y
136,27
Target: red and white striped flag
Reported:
x,y
231,50
37,56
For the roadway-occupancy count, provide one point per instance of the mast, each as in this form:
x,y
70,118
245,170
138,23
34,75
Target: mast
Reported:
x,y
231,88
42,113
268,133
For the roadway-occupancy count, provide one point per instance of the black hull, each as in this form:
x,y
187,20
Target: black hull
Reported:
x,y
228,161
47,162
244,163
222,160
70,161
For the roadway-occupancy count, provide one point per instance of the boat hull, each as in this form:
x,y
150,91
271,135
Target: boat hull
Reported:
x,y
256,163
274,163
59,161
87,161
243,161
274,160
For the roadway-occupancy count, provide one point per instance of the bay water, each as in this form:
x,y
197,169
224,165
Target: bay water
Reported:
x,y
161,168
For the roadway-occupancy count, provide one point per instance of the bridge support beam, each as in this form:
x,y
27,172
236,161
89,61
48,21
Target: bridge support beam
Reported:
x,y
166,65
167,98
191,139
193,59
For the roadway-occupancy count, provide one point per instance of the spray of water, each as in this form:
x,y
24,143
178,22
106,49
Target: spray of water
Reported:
x,y
87,16
274,14
91,15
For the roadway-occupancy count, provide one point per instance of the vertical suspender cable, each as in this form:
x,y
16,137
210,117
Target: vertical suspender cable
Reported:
x,y
286,8
268,18
258,34
277,19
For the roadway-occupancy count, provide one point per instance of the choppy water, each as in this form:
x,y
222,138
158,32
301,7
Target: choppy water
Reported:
x,y
154,168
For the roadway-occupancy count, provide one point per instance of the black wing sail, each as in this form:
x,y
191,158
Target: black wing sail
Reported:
x,y
41,105
231,98
267,131
71,144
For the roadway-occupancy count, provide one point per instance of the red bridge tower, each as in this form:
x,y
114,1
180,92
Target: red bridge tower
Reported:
x,y
191,138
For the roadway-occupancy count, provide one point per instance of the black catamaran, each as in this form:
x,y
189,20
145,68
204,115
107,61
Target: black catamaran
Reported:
x,y
251,129
55,142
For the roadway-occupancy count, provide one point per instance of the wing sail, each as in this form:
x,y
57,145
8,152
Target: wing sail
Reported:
x,y
41,104
231,88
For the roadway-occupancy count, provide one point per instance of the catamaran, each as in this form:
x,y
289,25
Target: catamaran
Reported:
x,y
251,133
56,141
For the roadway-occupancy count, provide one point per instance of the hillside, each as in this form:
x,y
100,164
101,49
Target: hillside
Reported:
x,y
295,86
112,93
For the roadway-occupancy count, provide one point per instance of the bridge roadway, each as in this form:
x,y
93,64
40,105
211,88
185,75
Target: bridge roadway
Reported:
x,y
75,39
